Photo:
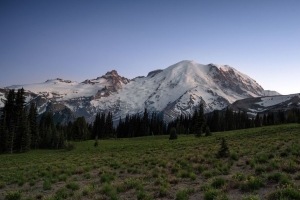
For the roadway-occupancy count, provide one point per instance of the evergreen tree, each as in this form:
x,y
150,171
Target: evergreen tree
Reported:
x,y
3,135
257,121
207,132
224,150
80,130
32,118
173,134
109,129
145,123
215,121
24,133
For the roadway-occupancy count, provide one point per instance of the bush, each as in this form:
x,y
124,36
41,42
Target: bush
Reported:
x,y
47,185
251,197
211,194
13,195
68,145
218,182
224,150
173,134
73,186
207,131
289,167
285,193
2,184
260,169
251,184
107,178
61,194
184,194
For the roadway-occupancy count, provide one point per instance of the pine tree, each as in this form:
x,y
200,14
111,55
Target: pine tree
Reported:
x,y
33,124
24,133
215,121
3,134
224,150
207,132
257,121
173,134
109,126
145,123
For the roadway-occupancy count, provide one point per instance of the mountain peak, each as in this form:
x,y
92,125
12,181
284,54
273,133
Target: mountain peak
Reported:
x,y
112,73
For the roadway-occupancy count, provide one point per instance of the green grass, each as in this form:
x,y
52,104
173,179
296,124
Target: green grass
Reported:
x,y
155,167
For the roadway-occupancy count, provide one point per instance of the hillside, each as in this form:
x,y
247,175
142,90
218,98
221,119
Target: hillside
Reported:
x,y
265,104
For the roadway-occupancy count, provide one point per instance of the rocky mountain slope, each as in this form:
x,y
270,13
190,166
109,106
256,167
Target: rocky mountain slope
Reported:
x,y
265,104
175,90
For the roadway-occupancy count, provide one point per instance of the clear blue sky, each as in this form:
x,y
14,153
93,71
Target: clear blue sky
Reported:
x,y
80,40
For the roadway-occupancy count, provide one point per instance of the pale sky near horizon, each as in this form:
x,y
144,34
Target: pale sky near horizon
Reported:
x,y
78,40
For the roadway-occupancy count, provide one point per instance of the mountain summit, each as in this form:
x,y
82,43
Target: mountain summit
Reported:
x,y
175,90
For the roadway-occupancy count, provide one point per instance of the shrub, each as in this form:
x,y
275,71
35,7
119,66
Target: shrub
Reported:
x,y
251,197
251,184
184,194
107,178
261,158
47,185
61,194
173,134
68,145
162,191
238,176
106,189
13,195
285,193
218,182
289,167
142,195
275,177
211,194
207,131
208,174
73,186
259,169
2,184
224,150
234,156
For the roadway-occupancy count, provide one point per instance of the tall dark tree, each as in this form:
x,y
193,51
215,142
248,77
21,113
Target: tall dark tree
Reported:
x,y
33,124
80,129
215,125
257,121
109,128
3,135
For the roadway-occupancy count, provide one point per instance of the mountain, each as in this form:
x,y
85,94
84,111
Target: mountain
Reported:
x,y
175,90
265,104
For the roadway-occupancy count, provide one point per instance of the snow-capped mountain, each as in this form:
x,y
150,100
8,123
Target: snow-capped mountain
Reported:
x,y
175,90
265,104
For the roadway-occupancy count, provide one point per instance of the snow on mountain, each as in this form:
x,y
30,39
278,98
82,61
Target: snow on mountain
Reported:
x,y
2,98
270,93
175,90
266,104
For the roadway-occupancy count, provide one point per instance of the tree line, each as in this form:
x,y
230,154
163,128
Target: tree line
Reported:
x,y
200,124
20,129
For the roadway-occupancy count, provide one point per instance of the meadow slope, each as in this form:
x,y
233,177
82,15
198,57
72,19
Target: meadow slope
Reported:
x,y
263,164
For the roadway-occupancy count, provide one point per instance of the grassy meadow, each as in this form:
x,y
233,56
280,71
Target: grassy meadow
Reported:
x,y
264,163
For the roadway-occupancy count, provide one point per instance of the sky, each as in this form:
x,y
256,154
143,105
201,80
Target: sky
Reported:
x,y
79,40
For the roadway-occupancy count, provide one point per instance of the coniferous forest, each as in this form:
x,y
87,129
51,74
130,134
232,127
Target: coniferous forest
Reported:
x,y
21,129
